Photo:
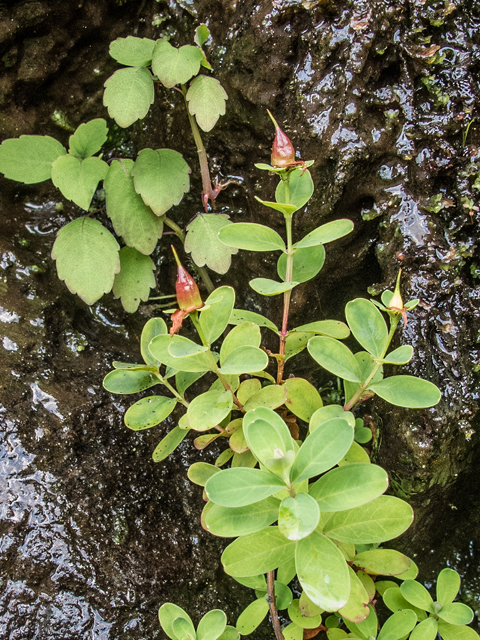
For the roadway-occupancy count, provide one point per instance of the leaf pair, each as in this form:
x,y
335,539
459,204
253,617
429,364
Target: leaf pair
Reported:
x,y
178,625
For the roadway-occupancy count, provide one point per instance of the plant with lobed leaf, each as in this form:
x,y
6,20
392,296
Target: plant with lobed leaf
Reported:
x,y
313,510
138,193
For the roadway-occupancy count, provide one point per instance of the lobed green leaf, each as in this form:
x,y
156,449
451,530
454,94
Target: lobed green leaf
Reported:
x,y
29,159
87,258
175,66
132,52
128,95
203,242
206,101
88,138
135,279
78,179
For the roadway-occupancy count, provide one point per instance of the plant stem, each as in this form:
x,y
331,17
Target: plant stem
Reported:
x,y
272,607
172,390
394,320
288,278
201,271
208,192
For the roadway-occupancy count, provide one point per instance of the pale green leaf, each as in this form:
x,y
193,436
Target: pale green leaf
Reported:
x,y
367,325
203,243
322,449
128,95
161,177
382,519
247,389
322,572
148,412
152,328
398,625
132,52
88,138
29,159
384,562
87,258
356,608
212,625
215,319
206,101
257,553
239,315
175,66
455,632
209,409
265,431
335,357
78,179
326,233
271,397
400,356
251,237
292,632
202,33
448,585
231,522
327,413
169,612
247,333
302,398
407,391
252,616
349,487
183,629
417,594
159,348
169,443
131,217
266,287
230,633
331,328
200,472
304,622
245,360
241,486
125,381
307,263
135,279
426,630
300,188
286,209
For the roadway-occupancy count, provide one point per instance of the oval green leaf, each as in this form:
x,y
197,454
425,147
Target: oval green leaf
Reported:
x,y
307,263
251,237
300,188
384,562
257,553
252,616
216,318
383,519
302,398
212,625
335,357
266,287
398,626
448,585
168,444
209,409
245,360
326,233
367,325
349,487
231,522
241,486
407,391
322,572
149,412
125,381
322,449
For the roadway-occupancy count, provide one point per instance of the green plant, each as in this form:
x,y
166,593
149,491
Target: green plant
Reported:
x,y
138,193
314,479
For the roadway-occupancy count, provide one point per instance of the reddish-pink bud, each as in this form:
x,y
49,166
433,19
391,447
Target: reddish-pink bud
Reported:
x,y
188,295
283,152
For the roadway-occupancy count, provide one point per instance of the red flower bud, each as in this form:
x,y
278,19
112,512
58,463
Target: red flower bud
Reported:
x,y
188,295
283,153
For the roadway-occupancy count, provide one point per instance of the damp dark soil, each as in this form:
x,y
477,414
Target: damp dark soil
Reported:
x,y
94,536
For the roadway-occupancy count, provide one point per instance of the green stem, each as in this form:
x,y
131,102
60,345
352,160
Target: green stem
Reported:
x,y
202,154
288,278
172,389
362,388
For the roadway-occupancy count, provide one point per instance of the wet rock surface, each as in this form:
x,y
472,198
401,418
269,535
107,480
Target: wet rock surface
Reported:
x,y
383,96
